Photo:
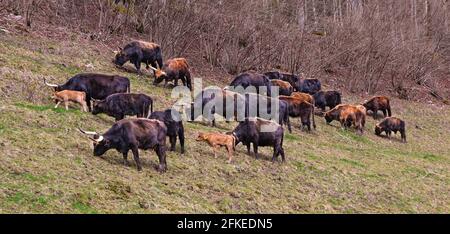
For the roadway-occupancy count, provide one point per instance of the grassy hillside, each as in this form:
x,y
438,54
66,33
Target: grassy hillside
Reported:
x,y
46,166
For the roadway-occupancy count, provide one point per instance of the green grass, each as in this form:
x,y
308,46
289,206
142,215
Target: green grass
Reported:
x,y
48,167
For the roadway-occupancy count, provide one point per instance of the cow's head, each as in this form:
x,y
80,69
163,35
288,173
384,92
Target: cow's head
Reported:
x,y
378,129
160,75
328,116
55,87
99,106
121,57
100,143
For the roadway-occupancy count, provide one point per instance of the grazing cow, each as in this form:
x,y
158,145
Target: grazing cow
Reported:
x,y
323,99
230,105
260,132
217,140
347,115
378,103
310,86
300,108
174,126
120,104
173,69
138,52
96,86
293,80
391,124
133,134
255,100
253,79
284,87
67,96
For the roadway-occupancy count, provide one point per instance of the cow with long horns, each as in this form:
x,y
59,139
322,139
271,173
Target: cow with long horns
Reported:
x,y
172,70
132,134
138,52
96,86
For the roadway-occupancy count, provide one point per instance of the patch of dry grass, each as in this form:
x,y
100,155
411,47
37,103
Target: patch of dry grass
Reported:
x,y
48,167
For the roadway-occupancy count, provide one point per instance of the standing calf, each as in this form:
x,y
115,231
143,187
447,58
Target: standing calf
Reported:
x,y
391,124
217,140
347,115
67,96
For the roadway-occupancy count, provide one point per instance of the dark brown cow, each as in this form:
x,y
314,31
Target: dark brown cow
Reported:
x,y
133,134
138,52
173,69
378,103
300,108
391,124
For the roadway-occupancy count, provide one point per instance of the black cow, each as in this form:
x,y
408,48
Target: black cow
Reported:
x,y
294,80
323,99
96,86
138,52
257,102
212,101
120,104
260,132
253,79
174,126
310,86
133,134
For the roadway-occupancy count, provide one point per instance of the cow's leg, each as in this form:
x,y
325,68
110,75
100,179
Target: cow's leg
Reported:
x,y
248,148
66,104
375,111
275,153
135,151
161,152
173,141
215,148
57,104
283,159
255,149
230,153
384,113
125,158
137,64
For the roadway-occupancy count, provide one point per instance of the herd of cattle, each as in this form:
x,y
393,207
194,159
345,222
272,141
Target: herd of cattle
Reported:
x,y
111,94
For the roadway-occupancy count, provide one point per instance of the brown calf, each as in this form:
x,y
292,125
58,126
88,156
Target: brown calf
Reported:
x,y
378,103
347,115
67,96
391,124
218,139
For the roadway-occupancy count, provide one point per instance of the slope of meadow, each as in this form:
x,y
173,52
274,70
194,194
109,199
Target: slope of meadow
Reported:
x,y
47,167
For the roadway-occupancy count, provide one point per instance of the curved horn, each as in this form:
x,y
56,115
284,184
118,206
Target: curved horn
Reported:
x,y
48,84
151,67
88,132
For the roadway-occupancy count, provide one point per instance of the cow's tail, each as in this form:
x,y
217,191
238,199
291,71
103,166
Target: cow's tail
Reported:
x,y
148,109
181,135
312,114
389,108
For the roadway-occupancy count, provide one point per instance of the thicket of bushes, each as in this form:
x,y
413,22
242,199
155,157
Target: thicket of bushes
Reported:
x,y
368,46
